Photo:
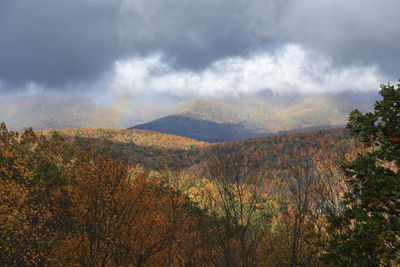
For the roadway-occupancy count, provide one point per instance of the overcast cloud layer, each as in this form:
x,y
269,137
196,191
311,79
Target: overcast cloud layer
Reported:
x,y
290,69
203,47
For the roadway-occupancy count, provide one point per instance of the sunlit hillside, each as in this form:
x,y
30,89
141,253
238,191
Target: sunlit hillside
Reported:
x,y
138,137
271,113
157,150
263,114
149,149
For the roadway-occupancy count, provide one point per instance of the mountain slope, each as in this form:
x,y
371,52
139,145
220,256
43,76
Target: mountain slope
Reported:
x,y
157,150
270,113
143,138
236,118
198,129
149,149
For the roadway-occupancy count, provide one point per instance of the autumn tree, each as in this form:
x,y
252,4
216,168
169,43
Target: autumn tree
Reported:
x,y
66,204
234,206
33,170
367,232
120,217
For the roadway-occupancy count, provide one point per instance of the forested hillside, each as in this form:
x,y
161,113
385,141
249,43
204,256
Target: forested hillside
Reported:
x,y
263,114
157,150
63,178
104,197
267,112
199,129
207,119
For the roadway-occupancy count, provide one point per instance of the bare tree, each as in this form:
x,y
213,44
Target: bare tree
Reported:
x,y
235,202
315,185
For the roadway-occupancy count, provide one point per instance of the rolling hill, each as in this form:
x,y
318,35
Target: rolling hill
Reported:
x,y
236,118
143,138
206,119
150,149
199,129
156,151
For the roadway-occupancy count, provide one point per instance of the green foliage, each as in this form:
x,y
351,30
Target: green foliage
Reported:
x,y
367,233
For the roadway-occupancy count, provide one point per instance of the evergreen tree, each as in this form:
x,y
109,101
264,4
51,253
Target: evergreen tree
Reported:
x,y
367,232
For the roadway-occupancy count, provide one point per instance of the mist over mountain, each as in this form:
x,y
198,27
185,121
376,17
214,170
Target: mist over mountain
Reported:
x,y
268,112
203,118
49,112
265,113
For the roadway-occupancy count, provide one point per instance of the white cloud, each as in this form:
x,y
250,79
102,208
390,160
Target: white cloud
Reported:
x,y
292,69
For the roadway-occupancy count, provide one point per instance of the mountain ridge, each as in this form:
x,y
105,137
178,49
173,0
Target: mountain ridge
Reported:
x,y
198,129
225,119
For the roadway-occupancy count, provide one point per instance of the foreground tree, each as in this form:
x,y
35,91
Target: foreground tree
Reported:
x,y
367,232
236,201
32,173
65,205
122,218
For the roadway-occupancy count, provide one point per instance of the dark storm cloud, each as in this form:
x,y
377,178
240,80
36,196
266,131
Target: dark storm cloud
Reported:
x,y
357,32
58,42
197,33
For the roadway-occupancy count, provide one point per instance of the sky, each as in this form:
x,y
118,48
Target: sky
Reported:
x,y
108,49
